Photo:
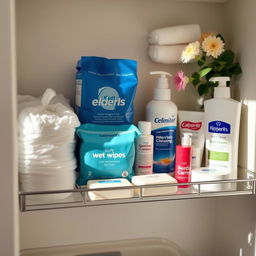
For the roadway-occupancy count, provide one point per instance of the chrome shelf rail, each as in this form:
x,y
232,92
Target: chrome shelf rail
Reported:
x,y
78,197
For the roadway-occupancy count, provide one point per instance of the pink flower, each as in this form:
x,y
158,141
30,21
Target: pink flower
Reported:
x,y
180,81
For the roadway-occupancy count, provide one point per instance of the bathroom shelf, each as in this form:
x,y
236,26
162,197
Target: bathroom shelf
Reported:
x,y
78,197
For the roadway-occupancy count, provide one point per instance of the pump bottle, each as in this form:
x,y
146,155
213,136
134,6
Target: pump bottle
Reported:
x,y
222,118
184,160
162,113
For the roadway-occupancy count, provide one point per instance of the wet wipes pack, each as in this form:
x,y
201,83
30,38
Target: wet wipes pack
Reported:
x,y
106,151
105,90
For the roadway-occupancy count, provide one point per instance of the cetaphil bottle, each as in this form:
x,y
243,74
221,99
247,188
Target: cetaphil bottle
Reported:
x,y
162,113
222,119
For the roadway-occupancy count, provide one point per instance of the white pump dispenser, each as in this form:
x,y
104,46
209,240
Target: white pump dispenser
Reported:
x,y
186,139
162,113
222,118
162,90
222,91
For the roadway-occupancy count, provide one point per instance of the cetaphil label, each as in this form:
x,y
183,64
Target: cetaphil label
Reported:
x,y
164,120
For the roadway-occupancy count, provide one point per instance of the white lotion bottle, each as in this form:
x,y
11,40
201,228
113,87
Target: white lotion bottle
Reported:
x,y
144,150
222,119
162,113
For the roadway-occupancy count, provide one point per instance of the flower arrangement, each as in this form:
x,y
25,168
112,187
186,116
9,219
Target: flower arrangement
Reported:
x,y
213,60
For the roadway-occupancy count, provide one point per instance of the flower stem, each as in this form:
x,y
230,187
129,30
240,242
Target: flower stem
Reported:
x,y
198,58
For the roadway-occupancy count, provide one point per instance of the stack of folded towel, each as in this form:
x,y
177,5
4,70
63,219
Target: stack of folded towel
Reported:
x,y
167,44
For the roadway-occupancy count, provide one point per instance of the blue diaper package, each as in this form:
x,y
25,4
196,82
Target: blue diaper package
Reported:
x,y
105,90
106,151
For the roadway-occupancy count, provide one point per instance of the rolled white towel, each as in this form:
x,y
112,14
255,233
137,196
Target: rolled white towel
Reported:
x,y
166,54
181,34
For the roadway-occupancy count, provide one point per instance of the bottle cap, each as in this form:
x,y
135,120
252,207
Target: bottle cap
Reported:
x,y
186,139
222,91
145,127
162,90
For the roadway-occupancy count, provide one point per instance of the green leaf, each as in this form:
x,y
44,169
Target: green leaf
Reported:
x,y
236,69
204,71
203,89
220,68
195,75
195,78
227,56
195,82
211,74
222,63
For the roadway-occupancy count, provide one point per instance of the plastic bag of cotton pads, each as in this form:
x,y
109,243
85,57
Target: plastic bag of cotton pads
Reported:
x,y
105,90
25,101
46,143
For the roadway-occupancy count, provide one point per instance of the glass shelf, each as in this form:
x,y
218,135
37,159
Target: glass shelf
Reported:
x,y
79,197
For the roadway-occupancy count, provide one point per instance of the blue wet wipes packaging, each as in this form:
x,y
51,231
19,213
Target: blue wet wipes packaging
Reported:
x,y
106,151
105,90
